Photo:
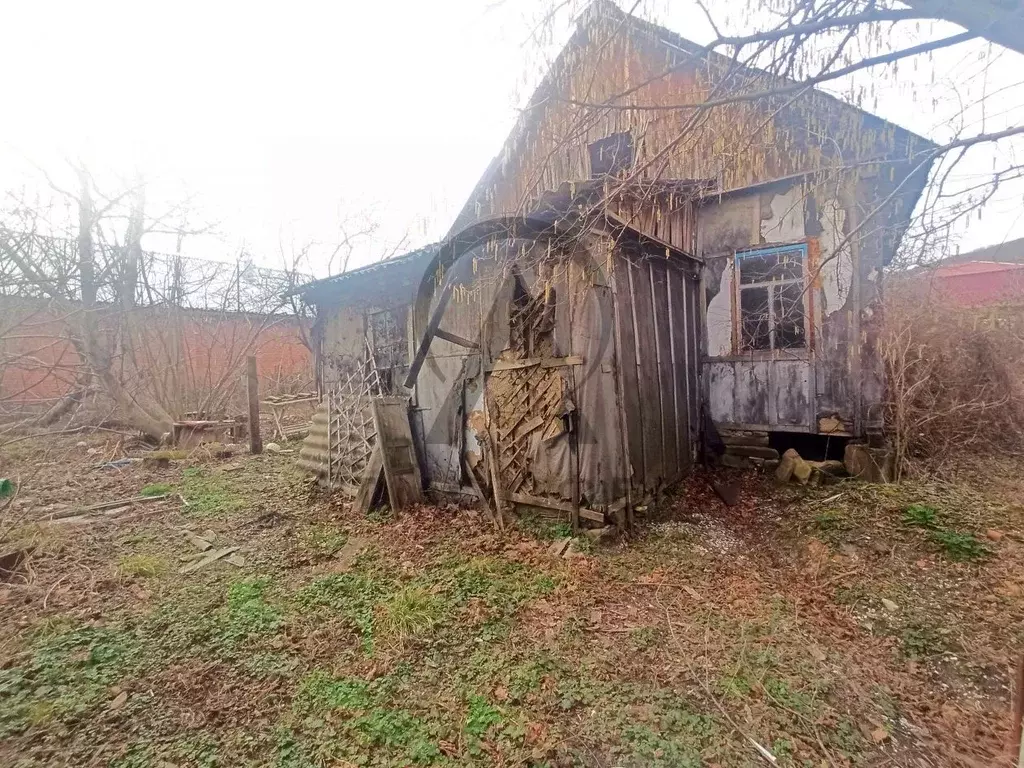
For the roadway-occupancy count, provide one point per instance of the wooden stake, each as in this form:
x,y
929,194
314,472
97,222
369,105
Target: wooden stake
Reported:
x,y
253,390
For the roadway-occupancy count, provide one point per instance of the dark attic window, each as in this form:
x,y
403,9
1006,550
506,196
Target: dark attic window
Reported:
x,y
772,307
612,155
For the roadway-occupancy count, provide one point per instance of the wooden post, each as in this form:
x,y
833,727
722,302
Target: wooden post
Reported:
x,y
253,390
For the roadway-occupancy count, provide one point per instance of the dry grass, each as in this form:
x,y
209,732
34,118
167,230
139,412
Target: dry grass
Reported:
x,y
955,380
444,643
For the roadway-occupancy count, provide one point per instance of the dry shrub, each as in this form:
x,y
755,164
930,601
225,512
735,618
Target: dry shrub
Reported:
x,y
955,378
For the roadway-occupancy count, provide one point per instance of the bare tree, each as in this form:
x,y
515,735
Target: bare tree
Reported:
x,y
141,325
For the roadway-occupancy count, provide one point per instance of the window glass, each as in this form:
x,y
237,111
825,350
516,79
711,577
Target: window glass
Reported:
x,y
772,298
755,321
789,316
758,267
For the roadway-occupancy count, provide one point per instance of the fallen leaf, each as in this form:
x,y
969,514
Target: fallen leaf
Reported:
x,y
119,701
889,605
536,733
692,592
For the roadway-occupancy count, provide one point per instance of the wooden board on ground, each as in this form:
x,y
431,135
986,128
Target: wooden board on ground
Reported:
x,y
397,452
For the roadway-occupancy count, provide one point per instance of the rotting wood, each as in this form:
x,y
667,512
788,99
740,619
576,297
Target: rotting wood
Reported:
x,y
559,506
478,492
107,505
372,477
531,362
208,558
253,391
397,451
496,489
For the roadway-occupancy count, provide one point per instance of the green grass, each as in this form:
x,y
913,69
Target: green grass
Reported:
x,y
143,566
963,547
156,489
410,612
921,516
64,676
323,540
956,545
210,495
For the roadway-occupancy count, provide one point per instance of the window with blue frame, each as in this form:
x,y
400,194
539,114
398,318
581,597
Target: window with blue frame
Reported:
x,y
771,297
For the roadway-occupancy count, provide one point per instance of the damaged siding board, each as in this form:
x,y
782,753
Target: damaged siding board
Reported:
x,y
752,392
721,386
666,386
625,312
693,296
677,332
791,395
647,371
600,438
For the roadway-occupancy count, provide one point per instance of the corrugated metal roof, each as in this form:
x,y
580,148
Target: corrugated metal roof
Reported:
x,y
405,260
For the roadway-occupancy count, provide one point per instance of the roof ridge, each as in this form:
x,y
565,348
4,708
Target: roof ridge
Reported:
x,y
607,9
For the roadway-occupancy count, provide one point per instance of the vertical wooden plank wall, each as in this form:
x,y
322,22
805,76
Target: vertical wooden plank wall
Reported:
x,y
657,322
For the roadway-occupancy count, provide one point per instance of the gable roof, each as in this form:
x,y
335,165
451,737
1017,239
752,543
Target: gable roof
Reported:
x,y
678,49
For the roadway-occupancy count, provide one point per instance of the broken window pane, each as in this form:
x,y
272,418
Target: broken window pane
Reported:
x,y
772,298
612,155
755,326
758,267
388,338
789,315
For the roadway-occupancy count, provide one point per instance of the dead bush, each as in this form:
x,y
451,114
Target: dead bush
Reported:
x,y
954,378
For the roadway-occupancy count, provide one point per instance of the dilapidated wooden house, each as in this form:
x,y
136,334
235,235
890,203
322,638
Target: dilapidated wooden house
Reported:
x,y
624,273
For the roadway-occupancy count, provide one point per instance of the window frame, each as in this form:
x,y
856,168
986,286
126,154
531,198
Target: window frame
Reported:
x,y
771,287
622,160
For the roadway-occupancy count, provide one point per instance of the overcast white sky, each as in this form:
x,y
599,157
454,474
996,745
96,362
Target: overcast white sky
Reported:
x,y
285,119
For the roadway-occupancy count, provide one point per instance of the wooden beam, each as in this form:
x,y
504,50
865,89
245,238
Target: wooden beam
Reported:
x,y
558,506
454,338
253,391
531,362
428,334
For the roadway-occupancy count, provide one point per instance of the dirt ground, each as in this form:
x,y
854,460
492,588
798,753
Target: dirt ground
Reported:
x,y
848,624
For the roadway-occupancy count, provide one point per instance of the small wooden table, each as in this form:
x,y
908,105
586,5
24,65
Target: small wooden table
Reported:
x,y
279,404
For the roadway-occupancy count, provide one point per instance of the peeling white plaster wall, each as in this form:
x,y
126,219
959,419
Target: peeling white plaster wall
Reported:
x,y
719,317
787,217
837,269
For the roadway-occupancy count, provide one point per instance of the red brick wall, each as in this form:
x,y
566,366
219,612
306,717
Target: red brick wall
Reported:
x,y
40,363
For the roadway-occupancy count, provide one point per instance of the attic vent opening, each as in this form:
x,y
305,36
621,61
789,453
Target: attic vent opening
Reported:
x,y
611,156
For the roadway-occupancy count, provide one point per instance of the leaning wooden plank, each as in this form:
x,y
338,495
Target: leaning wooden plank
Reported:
x,y
398,456
372,477
560,506
478,491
